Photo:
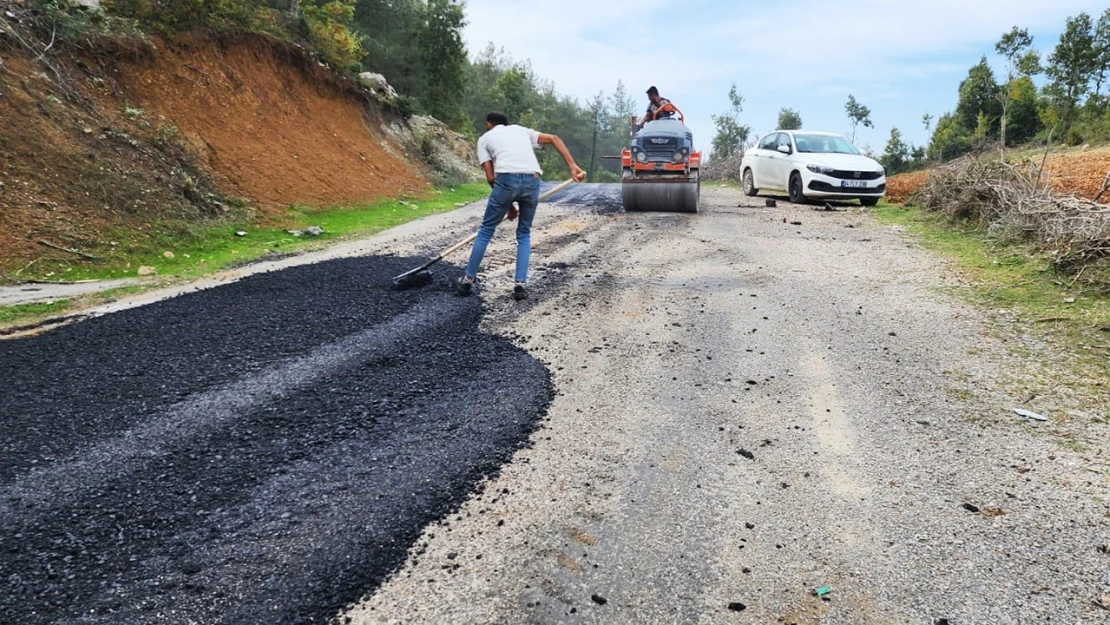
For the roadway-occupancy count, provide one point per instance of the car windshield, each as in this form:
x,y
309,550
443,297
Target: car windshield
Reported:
x,y
824,144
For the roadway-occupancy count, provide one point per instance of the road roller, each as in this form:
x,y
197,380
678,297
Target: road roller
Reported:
x,y
659,169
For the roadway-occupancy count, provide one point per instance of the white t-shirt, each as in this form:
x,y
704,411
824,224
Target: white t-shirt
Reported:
x,y
511,148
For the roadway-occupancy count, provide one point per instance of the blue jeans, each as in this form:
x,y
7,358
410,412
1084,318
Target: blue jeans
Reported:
x,y
524,189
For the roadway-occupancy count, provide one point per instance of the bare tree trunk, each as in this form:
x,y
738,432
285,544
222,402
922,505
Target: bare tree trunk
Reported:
x,y
1005,107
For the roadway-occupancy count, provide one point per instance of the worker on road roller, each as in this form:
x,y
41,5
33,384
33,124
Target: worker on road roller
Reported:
x,y
658,108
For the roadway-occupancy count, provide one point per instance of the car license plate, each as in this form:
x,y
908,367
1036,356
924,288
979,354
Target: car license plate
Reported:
x,y
854,184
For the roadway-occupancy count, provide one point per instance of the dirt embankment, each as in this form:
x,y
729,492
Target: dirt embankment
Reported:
x,y
273,125
1072,172
110,142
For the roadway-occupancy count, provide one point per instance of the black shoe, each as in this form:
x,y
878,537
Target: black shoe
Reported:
x,y
520,291
464,285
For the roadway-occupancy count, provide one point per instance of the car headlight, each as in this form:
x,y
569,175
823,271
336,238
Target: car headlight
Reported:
x,y
678,157
641,156
820,169
882,172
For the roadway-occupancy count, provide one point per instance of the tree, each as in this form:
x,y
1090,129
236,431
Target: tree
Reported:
x,y
1013,46
1023,120
1071,66
789,119
950,139
597,113
443,61
622,107
329,28
979,94
390,27
858,114
896,157
1102,53
927,121
731,134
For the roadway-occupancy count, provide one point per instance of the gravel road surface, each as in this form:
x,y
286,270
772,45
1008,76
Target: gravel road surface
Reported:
x,y
695,419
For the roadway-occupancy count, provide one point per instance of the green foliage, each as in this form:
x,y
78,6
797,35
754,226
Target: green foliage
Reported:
x,y
170,16
443,61
979,94
329,28
68,21
950,139
982,132
407,106
789,119
390,28
1023,120
417,45
732,136
896,157
1072,65
858,114
1102,52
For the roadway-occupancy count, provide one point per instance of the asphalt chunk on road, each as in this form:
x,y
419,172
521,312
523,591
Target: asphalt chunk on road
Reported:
x,y
266,451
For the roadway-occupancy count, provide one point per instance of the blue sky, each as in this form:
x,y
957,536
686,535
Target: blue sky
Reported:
x,y
901,59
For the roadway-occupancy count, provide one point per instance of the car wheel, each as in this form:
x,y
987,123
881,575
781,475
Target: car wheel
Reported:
x,y
749,183
869,201
796,195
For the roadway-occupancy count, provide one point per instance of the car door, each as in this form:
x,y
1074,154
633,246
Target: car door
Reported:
x,y
778,172
765,161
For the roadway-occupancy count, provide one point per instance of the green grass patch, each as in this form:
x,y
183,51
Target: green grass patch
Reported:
x,y
198,249
20,314
1018,279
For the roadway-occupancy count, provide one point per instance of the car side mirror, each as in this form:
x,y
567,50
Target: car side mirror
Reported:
x,y
785,149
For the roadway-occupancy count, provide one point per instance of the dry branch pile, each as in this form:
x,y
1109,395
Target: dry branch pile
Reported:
x,y
723,168
1017,203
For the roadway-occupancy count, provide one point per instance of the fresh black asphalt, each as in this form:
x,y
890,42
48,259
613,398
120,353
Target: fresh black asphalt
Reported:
x,y
261,452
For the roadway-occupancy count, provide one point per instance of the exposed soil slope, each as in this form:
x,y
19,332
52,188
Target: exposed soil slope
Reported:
x,y
68,174
267,119
126,136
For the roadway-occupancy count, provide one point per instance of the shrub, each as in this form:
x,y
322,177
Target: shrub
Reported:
x,y
407,106
329,29
65,20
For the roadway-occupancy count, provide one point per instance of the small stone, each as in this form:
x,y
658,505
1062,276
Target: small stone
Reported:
x,y
736,606
747,454
970,507
148,271
241,233
168,254
314,231
598,599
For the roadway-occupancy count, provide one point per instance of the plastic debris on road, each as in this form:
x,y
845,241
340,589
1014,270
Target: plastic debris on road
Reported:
x,y
1028,414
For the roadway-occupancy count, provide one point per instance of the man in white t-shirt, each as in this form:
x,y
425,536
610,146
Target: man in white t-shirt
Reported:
x,y
507,154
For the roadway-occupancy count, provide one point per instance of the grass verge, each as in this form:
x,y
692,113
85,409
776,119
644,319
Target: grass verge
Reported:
x,y
182,250
190,250
1013,278
29,313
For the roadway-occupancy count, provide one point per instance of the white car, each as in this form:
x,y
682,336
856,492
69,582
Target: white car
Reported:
x,y
812,165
